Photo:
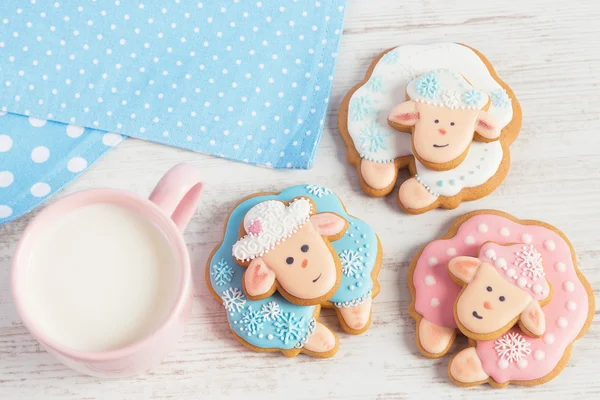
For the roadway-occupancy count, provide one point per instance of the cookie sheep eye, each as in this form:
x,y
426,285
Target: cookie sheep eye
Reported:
x,y
289,260
437,121
489,288
502,298
304,248
451,123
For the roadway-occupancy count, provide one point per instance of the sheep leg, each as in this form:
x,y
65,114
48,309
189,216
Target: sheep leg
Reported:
x,y
434,339
413,196
322,340
378,175
357,318
466,368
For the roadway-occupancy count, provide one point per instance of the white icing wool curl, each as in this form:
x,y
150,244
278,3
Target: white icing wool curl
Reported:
x,y
269,223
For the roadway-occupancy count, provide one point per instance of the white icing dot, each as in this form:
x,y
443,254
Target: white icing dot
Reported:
x,y
469,240
502,364
111,139
432,261
562,322
270,337
549,245
5,211
501,263
568,286
5,143
74,131
434,302
429,280
571,305
40,154
490,253
482,228
511,272
526,238
560,266
539,355
77,164
522,363
504,232
6,179
36,122
549,338
522,282
40,189
537,288
451,252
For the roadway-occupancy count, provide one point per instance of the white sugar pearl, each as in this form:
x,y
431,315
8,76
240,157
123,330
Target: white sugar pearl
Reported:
x,y
502,364
522,282
432,261
537,288
560,266
568,286
526,238
549,338
434,302
571,305
539,355
469,240
504,232
549,245
490,253
511,272
522,363
501,263
482,228
451,252
430,280
562,322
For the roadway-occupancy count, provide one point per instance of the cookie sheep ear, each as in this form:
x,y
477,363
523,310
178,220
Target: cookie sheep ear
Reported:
x,y
533,319
258,278
328,224
404,114
464,268
487,126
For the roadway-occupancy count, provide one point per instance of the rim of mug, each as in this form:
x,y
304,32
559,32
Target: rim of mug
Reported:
x,y
178,247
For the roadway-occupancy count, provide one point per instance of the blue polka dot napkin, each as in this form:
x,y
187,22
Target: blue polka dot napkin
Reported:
x,y
245,80
39,157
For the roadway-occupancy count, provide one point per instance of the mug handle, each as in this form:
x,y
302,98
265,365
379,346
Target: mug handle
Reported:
x,y
178,193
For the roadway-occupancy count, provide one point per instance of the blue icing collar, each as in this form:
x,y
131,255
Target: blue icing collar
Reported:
x,y
275,322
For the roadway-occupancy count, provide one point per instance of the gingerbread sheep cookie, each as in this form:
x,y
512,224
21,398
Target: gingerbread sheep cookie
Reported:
x,y
530,261
282,258
440,111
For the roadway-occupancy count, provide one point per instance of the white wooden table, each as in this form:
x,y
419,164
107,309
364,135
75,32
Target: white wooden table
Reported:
x,y
546,50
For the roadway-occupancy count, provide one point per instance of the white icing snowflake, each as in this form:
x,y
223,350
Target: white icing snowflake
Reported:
x,y
512,347
222,272
270,311
451,99
351,262
317,190
289,328
531,261
233,300
252,321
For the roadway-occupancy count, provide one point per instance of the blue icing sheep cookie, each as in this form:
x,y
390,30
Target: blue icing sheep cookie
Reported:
x,y
283,257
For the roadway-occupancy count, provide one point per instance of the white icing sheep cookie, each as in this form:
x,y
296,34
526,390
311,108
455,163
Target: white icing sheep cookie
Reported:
x,y
440,111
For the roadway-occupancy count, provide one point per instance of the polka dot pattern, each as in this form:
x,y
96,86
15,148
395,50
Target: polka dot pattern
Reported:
x,y
40,157
198,75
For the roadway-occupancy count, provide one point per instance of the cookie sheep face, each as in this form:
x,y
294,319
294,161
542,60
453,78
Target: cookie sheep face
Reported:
x,y
442,134
489,304
303,264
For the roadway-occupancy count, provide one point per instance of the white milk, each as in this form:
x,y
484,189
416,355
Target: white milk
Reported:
x,y
101,278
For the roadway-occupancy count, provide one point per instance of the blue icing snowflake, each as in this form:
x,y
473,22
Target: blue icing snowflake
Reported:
x,y
233,300
361,107
289,328
222,272
318,190
391,57
372,138
351,262
428,85
472,97
500,98
252,322
375,84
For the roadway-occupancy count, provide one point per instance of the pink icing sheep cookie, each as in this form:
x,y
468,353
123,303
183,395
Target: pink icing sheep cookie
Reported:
x,y
532,260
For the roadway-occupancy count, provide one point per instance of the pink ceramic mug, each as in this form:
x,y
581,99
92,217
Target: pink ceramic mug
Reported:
x,y
169,208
